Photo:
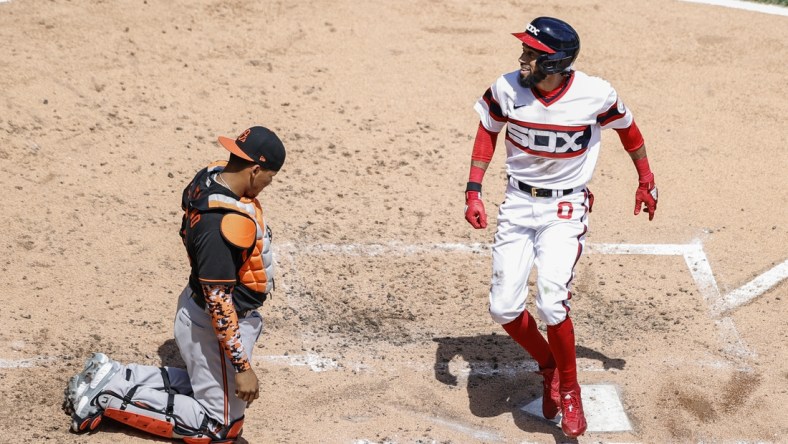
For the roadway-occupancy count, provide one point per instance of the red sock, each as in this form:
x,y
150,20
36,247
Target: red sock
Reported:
x,y
562,343
524,331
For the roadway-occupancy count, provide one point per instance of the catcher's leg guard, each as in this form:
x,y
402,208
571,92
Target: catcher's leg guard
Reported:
x,y
165,413
149,424
167,427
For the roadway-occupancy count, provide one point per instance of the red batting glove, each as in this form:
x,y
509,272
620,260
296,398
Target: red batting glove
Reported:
x,y
646,196
474,210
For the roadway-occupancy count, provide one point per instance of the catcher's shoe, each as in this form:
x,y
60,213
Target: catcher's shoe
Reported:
x,y
83,388
551,398
573,422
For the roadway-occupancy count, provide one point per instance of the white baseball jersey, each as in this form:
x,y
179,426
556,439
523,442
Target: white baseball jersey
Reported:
x,y
552,143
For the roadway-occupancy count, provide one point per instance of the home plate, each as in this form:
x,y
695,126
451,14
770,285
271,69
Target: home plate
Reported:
x,y
602,407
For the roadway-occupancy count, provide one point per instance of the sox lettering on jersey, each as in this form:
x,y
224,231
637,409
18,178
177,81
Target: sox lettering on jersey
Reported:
x,y
549,140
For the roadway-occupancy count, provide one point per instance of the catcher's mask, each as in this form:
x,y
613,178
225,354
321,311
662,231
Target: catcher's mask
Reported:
x,y
556,39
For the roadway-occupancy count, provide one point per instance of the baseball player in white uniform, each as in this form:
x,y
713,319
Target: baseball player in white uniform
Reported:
x,y
217,322
554,116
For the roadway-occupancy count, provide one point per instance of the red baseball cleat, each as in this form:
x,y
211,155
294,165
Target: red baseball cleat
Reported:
x,y
551,398
573,422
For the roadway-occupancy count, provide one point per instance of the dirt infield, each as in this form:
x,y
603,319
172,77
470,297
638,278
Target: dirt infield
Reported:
x,y
379,331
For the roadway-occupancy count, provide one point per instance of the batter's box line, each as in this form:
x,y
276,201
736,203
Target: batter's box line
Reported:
x,y
694,256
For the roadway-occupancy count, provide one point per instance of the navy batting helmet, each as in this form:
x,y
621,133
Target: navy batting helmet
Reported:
x,y
559,42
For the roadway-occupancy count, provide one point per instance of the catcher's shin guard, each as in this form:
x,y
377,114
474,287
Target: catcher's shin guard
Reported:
x,y
158,424
164,421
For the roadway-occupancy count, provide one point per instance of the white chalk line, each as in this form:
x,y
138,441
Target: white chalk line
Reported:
x,y
316,363
461,369
458,368
380,249
35,361
747,6
756,287
481,435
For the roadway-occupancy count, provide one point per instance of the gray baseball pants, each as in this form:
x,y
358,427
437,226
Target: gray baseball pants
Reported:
x,y
204,393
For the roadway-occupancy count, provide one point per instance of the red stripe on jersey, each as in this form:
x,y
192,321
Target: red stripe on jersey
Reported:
x,y
545,153
611,115
612,119
499,119
493,106
551,97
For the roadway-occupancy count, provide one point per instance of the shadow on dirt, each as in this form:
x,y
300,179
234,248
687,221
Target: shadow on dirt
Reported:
x,y
500,377
170,354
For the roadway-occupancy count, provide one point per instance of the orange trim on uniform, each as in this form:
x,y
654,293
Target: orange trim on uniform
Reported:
x,y
252,273
216,280
151,425
239,230
224,383
95,422
229,145
235,430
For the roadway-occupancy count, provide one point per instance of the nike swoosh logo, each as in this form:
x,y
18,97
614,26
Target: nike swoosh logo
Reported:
x,y
520,106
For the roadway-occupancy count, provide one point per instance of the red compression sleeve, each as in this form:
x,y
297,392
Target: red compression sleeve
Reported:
x,y
630,137
484,146
476,175
483,149
644,170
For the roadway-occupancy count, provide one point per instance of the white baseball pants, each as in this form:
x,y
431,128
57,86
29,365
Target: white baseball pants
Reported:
x,y
546,231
